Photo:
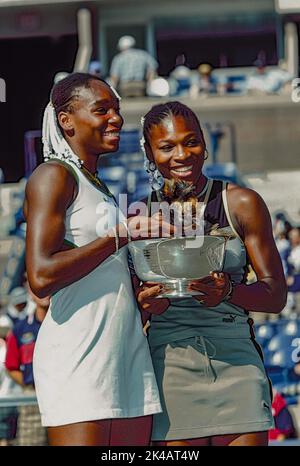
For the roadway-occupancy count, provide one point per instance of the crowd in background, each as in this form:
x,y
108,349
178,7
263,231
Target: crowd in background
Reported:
x,y
20,322
21,318
134,73
287,239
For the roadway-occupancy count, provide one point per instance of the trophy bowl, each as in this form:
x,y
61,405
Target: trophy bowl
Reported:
x,y
175,262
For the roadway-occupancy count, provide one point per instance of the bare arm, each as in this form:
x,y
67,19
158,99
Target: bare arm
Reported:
x,y
49,192
146,296
16,376
253,223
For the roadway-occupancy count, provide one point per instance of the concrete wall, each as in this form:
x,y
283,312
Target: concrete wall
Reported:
x,y
33,21
144,10
267,128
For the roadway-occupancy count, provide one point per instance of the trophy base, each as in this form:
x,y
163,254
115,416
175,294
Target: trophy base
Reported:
x,y
178,289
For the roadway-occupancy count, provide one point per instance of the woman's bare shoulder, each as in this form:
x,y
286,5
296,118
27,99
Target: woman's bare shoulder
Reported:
x,y
247,207
241,197
52,174
51,181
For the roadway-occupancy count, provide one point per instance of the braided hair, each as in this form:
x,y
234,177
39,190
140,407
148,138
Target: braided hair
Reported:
x,y
66,91
160,112
156,116
63,96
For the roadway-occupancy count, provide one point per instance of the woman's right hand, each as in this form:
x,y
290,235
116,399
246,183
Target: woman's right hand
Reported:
x,y
143,227
146,295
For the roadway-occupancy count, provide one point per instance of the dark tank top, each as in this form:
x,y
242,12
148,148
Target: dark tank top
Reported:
x,y
186,317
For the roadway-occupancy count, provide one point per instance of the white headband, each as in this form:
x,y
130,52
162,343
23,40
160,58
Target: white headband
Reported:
x,y
54,144
156,179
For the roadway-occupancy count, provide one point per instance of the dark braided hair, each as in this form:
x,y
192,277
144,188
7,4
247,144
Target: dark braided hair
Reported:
x,y
66,91
161,111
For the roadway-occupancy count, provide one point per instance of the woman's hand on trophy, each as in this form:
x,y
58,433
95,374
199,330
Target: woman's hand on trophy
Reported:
x,y
146,295
215,288
142,227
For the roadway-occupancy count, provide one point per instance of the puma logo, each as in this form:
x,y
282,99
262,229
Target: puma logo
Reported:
x,y
265,405
230,319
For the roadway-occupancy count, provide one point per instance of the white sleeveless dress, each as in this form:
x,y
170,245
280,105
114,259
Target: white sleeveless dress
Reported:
x,y
91,358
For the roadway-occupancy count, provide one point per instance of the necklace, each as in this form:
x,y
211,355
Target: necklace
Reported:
x,y
93,178
160,196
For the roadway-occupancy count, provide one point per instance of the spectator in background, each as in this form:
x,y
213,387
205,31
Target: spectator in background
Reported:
x,y
59,76
293,263
95,68
8,414
265,81
132,69
203,83
281,229
182,75
284,423
16,309
294,256
18,362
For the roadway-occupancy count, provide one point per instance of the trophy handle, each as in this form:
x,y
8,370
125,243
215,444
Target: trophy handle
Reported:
x,y
158,258
226,238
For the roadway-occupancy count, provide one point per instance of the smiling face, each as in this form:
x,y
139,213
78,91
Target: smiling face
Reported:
x,y
94,124
177,148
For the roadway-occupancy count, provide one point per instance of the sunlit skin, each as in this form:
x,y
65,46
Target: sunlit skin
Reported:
x,y
177,143
91,129
178,150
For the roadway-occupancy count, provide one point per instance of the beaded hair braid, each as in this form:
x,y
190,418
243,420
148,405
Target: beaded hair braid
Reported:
x,y
161,111
65,92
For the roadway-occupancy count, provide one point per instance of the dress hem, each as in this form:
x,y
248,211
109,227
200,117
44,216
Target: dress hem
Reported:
x,y
101,415
211,431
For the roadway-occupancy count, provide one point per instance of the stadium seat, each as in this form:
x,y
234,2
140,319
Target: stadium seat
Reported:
x,y
224,172
129,141
291,327
114,178
283,358
279,342
277,375
265,331
236,84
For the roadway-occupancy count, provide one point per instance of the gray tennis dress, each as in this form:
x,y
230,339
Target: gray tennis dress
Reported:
x,y
207,363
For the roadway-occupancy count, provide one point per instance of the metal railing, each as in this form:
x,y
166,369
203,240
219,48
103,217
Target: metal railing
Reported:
x,y
20,421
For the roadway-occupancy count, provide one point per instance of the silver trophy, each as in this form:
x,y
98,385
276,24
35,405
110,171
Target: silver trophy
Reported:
x,y
176,262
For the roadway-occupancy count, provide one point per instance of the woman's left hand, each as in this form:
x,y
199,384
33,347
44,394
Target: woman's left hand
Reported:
x,y
214,288
146,295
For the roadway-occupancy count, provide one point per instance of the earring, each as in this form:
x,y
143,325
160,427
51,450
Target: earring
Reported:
x,y
206,154
156,180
